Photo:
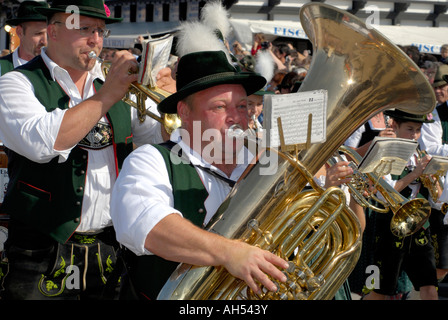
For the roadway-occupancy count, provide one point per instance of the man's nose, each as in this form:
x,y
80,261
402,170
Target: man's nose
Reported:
x,y
234,115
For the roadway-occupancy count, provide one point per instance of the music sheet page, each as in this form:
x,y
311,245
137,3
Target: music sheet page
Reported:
x,y
393,153
294,110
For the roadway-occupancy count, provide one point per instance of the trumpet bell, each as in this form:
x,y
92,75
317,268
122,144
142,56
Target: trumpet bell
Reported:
x,y
410,217
170,121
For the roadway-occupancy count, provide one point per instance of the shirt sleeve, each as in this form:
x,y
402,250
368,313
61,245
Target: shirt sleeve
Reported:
x,y
25,125
431,137
355,138
148,131
141,197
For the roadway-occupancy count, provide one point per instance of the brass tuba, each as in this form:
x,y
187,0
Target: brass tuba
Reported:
x,y
269,207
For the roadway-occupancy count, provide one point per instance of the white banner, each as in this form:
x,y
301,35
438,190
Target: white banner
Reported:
x,y
427,39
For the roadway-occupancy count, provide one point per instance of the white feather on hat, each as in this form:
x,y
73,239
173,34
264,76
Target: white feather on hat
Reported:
x,y
194,36
264,64
214,15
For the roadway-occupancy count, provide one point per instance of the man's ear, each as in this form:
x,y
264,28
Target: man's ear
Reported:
x,y
51,31
394,125
183,110
19,31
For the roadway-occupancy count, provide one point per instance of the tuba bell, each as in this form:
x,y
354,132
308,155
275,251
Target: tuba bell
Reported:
x,y
363,74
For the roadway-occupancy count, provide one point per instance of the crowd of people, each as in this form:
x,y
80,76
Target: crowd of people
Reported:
x,y
96,193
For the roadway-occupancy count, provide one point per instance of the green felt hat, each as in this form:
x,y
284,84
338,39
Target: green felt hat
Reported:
x,y
439,77
26,13
405,116
263,92
201,70
88,8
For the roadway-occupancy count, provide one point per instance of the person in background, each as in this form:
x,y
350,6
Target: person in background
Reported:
x,y
238,50
257,43
434,141
444,54
31,28
412,253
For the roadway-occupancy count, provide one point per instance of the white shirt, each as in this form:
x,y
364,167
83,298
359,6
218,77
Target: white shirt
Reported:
x,y
415,187
431,141
143,196
431,137
16,61
355,138
28,129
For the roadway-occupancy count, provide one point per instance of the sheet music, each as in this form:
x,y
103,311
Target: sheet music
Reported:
x,y
437,164
294,109
395,151
155,56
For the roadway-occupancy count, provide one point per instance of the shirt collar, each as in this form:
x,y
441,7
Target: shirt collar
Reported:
x,y
197,160
16,60
95,72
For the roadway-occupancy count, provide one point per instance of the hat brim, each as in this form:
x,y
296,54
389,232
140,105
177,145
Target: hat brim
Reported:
x,y
262,92
251,82
439,83
50,11
405,118
16,22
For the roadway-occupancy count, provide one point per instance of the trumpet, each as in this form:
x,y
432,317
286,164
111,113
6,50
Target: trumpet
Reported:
x,y
408,215
431,182
141,92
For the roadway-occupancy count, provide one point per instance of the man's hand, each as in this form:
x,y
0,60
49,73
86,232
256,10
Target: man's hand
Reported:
x,y
165,80
338,174
387,133
123,71
254,266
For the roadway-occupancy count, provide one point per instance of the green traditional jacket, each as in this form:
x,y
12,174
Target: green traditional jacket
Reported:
x,y
6,64
149,273
48,196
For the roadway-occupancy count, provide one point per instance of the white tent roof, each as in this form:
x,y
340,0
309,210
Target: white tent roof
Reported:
x,y
427,39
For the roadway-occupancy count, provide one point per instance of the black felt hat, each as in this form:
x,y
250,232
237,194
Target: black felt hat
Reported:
x,y
26,13
88,8
205,69
405,116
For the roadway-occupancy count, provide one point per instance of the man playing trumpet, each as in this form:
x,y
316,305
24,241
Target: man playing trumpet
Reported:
x,y
414,253
68,134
